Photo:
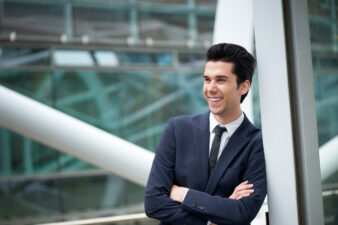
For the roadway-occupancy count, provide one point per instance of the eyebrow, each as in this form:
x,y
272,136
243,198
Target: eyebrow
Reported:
x,y
218,76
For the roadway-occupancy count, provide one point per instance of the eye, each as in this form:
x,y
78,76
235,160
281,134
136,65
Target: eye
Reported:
x,y
206,79
221,80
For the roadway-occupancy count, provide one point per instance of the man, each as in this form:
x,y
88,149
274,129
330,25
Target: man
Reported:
x,y
210,168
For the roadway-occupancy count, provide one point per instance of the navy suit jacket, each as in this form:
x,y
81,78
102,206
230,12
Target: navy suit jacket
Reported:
x,y
182,157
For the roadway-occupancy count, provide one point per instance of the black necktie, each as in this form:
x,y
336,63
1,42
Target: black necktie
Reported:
x,y
215,147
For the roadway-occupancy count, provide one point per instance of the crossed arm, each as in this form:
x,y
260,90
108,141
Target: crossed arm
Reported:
x,y
244,189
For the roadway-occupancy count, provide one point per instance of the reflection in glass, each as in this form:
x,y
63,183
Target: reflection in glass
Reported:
x,y
72,58
106,58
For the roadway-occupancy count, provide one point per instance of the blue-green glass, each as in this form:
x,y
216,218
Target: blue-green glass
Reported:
x,y
26,18
324,43
11,57
163,26
39,184
205,27
100,22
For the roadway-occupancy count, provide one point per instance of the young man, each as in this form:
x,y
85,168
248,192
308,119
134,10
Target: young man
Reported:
x,y
210,168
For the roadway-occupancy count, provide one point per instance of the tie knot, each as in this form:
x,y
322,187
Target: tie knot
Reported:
x,y
219,130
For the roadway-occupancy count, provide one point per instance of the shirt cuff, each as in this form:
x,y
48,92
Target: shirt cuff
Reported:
x,y
185,195
208,223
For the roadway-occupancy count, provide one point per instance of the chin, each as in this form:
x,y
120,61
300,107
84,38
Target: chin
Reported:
x,y
216,112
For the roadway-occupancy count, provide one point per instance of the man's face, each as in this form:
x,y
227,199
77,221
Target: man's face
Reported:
x,y
220,88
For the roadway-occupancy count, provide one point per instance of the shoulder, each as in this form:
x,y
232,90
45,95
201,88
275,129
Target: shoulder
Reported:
x,y
254,133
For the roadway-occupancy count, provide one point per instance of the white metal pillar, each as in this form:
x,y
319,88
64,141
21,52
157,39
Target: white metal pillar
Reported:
x,y
288,112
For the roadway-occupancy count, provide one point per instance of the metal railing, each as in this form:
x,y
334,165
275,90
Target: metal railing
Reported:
x,y
139,218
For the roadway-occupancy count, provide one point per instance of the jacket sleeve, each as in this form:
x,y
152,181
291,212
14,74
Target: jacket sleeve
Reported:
x,y
230,211
158,203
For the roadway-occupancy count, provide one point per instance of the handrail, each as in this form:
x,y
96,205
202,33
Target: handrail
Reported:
x,y
328,158
106,220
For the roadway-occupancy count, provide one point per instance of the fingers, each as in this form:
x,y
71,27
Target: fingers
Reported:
x,y
241,194
243,186
244,193
244,189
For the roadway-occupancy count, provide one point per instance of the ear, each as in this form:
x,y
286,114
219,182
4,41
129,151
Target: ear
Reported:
x,y
244,87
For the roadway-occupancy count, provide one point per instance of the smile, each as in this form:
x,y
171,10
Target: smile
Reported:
x,y
215,99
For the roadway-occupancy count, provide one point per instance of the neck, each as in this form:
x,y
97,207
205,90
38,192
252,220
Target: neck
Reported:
x,y
228,118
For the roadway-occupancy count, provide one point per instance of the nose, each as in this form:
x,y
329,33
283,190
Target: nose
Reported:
x,y
211,87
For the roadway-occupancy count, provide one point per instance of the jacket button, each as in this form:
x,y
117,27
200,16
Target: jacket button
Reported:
x,y
194,205
200,207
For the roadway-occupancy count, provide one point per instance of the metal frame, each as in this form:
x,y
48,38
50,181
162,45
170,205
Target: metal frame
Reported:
x,y
133,8
303,113
137,218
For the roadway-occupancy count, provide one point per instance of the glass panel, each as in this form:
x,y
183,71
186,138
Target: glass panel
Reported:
x,y
100,22
73,58
23,156
324,43
210,3
115,101
191,60
160,26
205,26
36,85
106,58
143,58
28,18
85,195
16,57
165,1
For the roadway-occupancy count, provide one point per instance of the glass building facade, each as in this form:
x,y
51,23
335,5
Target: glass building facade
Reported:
x,y
125,67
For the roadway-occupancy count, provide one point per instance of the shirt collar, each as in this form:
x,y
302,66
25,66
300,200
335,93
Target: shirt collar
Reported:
x,y
231,127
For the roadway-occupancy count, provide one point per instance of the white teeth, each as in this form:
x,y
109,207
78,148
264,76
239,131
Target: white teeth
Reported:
x,y
215,99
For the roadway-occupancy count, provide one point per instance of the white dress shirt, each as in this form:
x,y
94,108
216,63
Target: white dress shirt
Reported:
x,y
231,128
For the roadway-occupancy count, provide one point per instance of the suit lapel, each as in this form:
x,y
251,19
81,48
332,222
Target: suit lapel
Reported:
x,y
237,141
201,141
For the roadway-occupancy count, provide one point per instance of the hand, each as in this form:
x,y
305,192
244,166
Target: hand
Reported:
x,y
242,190
177,193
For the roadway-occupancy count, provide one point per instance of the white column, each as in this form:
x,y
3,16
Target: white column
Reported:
x,y
275,112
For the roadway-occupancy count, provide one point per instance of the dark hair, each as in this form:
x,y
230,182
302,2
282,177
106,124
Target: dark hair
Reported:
x,y
244,62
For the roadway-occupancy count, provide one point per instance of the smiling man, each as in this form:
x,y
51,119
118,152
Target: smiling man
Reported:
x,y
210,168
